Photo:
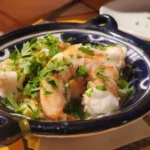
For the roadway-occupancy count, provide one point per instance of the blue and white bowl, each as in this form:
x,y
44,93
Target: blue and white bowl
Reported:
x,y
138,54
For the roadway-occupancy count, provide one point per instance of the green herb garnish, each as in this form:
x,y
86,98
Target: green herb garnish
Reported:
x,y
81,71
69,39
101,87
51,82
89,92
87,51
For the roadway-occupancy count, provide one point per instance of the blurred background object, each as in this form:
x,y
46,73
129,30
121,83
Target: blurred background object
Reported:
x,y
132,16
16,14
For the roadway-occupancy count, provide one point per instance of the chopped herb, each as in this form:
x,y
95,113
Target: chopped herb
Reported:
x,y
35,89
81,71
88,44
103,77
10,100
67,85
87,51
137,23
101,47
51,40
89,92
64,69
79,56
88,85
122,84
19,89
101,69
54,51
101,87
27,48
51,82
69,39
36,113
14,54
74,108
70,55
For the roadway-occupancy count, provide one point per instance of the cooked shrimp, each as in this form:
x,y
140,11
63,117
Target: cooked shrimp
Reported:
x,y
54,103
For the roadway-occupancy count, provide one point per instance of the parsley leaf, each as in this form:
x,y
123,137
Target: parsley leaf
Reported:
x,y
14,54
54,51
27,48
101,87
67,85
36,113
89,92
81,71
69,39
79,56
10,101
87,51
74,108
103,77
51,82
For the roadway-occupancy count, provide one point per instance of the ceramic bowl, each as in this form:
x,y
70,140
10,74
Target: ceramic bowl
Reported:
x,y
138,53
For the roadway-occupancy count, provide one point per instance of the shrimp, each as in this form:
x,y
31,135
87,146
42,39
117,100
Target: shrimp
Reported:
x,y
71,64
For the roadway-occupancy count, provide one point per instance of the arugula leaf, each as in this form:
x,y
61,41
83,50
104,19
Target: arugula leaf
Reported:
x,y
47,92
101,68
101,87
70,55
31,88
64,69
19,89
87,51
51,82
88,44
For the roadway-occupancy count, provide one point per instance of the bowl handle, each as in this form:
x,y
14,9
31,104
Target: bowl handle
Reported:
x,y
9,129
104,21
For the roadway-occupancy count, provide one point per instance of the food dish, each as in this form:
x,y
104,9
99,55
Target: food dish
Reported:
x,y
90,32
49,79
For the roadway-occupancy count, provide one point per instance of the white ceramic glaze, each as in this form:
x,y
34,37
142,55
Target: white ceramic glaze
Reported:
x,y
132,16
